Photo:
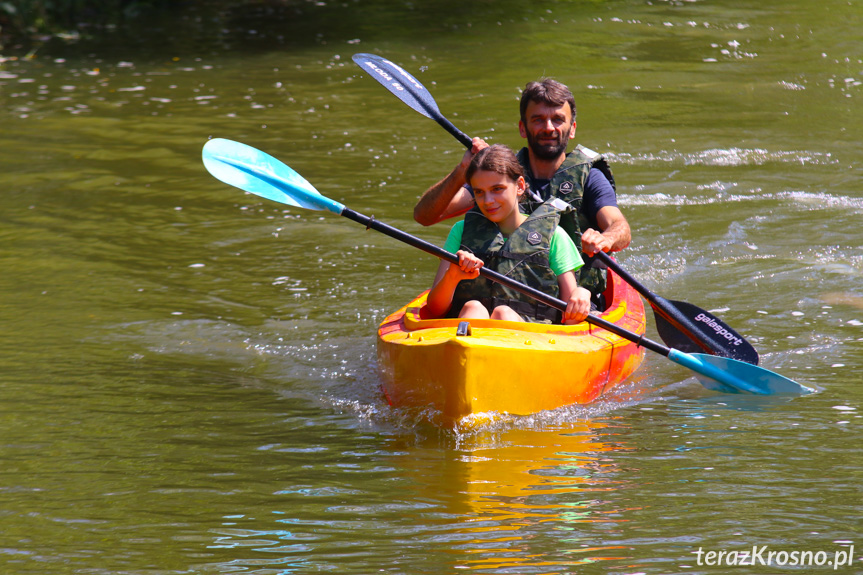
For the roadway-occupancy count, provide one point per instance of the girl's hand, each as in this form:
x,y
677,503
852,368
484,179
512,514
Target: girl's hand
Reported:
x,y
578,306
468,266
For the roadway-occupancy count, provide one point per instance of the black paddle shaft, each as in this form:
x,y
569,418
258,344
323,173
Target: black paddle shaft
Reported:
x,y
459,135
430,248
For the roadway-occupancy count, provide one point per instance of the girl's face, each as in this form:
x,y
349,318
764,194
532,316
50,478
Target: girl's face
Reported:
x,y
497,195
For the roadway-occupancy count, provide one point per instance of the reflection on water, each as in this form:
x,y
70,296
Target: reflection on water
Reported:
x,y
517,500
530,480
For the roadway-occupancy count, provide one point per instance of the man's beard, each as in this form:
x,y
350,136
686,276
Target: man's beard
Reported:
x,y
548,151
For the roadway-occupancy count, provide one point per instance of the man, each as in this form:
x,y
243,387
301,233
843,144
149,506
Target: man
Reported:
x,y
582,178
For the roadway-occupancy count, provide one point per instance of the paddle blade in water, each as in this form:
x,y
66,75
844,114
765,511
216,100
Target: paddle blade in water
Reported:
x,y
731,376
258,173
686,327
398,81
720,338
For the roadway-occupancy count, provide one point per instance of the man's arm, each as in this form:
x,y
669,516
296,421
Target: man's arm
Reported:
x,y
613,234
449,197
446,199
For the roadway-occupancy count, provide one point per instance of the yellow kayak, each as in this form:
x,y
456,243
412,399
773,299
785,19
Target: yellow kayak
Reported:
x,y
506,367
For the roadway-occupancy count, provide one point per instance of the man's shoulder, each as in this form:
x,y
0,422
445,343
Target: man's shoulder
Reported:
x,y
600,170
584,155
587,153
599,191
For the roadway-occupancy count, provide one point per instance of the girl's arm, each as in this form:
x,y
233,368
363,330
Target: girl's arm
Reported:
x,y
448,275
577,298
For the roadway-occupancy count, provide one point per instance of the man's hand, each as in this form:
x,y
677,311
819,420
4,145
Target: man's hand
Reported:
x,y
593,241
615,234
476,144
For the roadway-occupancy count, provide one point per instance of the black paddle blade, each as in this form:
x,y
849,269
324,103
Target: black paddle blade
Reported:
x,y
712,332
398,81
409,90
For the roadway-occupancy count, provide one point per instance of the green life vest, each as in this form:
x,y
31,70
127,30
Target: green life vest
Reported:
x,y
568,185
524,257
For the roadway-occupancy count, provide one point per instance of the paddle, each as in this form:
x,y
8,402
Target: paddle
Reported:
x,y
258,173
408,89
677,322
685,326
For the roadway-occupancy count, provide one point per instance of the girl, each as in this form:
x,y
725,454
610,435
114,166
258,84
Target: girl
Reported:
x,y
530,249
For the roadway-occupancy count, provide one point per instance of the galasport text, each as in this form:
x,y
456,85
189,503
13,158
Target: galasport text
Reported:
x,y
720,331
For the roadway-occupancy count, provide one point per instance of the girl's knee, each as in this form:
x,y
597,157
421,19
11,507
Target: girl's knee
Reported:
x,y
473,310
505,313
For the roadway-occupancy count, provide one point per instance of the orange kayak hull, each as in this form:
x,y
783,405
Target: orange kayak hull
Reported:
x,y
506,367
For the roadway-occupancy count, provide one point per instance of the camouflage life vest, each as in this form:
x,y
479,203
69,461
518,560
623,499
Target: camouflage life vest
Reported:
x,y
568,185
524,257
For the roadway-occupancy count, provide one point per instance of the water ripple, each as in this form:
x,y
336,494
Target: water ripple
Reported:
x,y
726,157
798,199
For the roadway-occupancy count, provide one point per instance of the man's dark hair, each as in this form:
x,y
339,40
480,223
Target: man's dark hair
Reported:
x,y
546,91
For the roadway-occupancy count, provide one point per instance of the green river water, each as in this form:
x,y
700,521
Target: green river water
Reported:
x,y
188,375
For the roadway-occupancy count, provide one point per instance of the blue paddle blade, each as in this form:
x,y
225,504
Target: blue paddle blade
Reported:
x,y
258,173
731,376
398,81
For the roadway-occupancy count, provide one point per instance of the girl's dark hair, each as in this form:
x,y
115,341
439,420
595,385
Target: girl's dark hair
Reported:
x,y
497,158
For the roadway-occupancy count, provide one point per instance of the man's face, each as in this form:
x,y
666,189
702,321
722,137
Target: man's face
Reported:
x,y
548,129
